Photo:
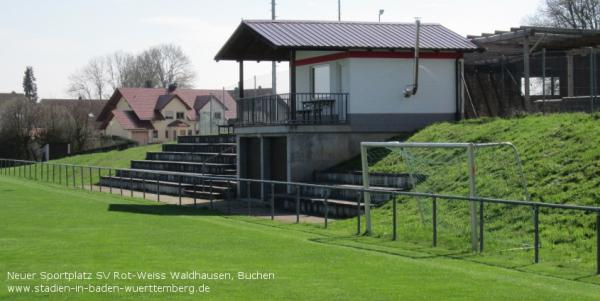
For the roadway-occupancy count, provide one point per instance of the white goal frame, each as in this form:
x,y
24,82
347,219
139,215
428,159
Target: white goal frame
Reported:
x,y
470,148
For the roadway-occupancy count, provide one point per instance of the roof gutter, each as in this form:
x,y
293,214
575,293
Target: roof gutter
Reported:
x,y
412,89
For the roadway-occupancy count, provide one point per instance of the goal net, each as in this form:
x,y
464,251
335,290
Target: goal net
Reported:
x,y
491,170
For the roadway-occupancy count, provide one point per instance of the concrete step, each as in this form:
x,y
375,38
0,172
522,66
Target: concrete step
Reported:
x,y
401,181
336,208
228,158
207,139
201,147
190,167
345,194
165,187
186,178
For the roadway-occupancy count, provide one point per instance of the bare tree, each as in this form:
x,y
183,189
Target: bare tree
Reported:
x,y
155,67
582,14
17,128
171,65
91,81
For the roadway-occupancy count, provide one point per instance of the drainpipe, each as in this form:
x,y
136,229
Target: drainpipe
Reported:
x,y
412,89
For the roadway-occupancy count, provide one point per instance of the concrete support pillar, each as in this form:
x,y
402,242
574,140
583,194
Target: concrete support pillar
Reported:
x,y
241,161
265,166
526,72
570,85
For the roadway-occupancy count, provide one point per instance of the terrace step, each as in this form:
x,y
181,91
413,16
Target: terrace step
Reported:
x,y
166,187
181,166
346,192
200,147
401,181
207,139
316,206
228,158
186,178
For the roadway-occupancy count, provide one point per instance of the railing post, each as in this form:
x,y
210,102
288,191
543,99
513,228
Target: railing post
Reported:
x,y
297,204
434,221
358,212
91,180
144,188
53,172
210,193
481,218
130,184
179,189
110,180
158,189
81,170
394,219
120,185
73,175
326,209
195,181
248,191
99,179
597,243
272,201
536,234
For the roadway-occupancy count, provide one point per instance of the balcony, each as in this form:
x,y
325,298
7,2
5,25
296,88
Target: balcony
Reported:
x,y
293,109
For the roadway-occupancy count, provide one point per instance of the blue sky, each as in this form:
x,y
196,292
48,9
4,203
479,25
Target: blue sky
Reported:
x,y
58,37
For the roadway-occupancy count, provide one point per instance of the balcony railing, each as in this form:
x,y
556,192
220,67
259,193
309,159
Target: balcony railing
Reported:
x,y
296,108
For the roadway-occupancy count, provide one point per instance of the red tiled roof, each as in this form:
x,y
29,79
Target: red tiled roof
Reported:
x,y
144,101
129,121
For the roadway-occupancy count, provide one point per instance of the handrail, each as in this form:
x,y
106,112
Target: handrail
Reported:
x,y
331,187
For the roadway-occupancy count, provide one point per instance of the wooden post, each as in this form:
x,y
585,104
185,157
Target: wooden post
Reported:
x,y
293,85
241,82
526,72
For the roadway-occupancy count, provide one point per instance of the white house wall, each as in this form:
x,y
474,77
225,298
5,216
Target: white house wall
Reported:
x,y
376,87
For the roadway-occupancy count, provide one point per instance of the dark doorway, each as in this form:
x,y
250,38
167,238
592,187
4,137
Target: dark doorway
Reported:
x,y
252,165
278,162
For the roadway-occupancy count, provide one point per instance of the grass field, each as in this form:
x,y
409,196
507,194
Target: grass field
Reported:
x,y
52,229
561,160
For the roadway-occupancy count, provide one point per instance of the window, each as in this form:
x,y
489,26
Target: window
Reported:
x,y
179,115
169,115
197,132
189,132
536,86
182,133
166,134
155,134
320,79
217,115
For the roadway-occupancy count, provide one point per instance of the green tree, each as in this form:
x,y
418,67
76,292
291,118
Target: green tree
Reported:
x,y
29,85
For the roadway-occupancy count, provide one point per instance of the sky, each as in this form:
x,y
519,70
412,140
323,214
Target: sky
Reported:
x,y
59,37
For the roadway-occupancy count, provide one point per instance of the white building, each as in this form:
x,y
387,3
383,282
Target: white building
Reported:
x,y
347,83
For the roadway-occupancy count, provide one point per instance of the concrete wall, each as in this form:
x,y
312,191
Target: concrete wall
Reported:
x,y
376,87
308,153
207,123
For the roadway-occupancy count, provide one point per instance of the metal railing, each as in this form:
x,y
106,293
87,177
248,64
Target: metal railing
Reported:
x,y
69,175
295,108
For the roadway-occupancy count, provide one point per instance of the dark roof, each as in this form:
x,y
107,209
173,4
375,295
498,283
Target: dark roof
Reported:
x,y
510,42
129,121
201,101
164,100
5,97
272,39
94,106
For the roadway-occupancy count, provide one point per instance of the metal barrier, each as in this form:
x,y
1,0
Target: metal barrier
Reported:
x,y
53,174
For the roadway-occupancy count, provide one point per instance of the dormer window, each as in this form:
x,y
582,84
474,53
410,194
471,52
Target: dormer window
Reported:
x,y
169,114
180,115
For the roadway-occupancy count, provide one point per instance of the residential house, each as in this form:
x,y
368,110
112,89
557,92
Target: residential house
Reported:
x,y
347,85
156,115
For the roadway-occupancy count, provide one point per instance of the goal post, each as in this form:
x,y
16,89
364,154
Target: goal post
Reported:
x,y
468,161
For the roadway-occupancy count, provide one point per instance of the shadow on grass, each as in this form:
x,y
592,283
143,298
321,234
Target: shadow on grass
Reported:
x,y
169,210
